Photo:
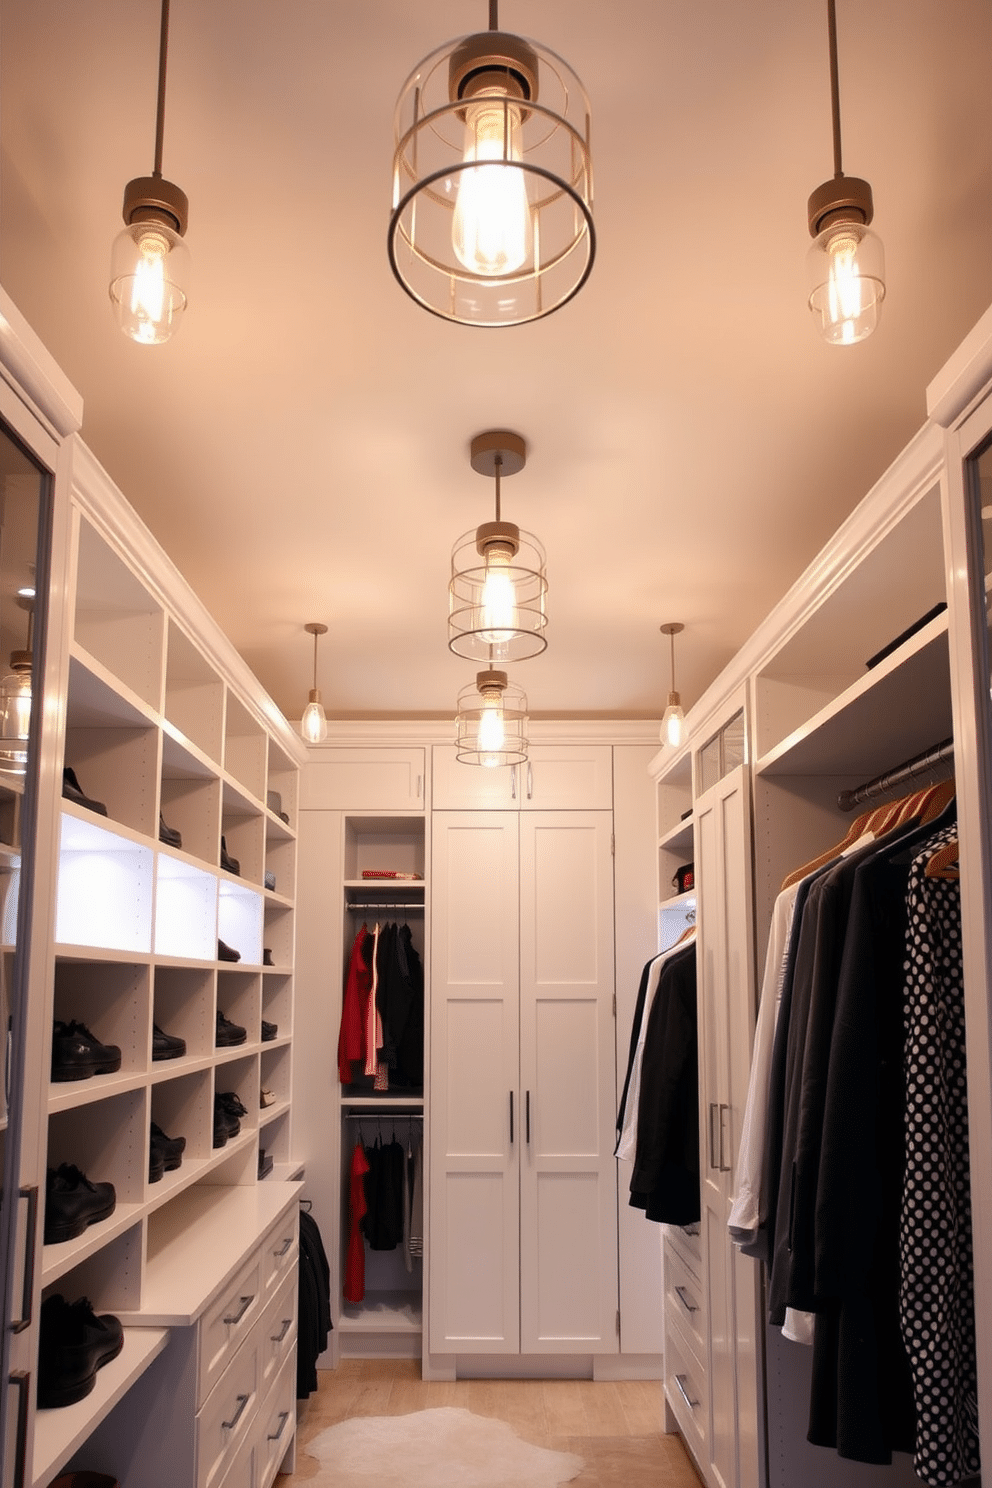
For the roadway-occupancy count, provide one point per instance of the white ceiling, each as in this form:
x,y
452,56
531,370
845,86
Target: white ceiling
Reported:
x,y
301,447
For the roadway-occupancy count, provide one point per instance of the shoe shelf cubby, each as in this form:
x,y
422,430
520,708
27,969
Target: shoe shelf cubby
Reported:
x,y
194,696
245,749
117,622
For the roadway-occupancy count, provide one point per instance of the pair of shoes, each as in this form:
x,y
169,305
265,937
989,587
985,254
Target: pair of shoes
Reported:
x,y
72,791
73,1344
170,1149
266,1097
270,879
77,1053
227,953
72,1202
228,1110
267,957
171,836
166,1045
229,1033
229,864
269,1031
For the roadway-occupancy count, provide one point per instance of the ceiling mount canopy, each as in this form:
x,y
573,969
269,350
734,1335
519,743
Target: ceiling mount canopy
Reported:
x,y
149,271
491,219
498,588
491,725
845,263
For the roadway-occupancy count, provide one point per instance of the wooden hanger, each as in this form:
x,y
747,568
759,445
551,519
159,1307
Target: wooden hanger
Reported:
x,y
944,862
857,829
924,805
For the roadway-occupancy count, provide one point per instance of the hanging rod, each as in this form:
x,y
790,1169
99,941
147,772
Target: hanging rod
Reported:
x,y
910,769
383,904
373,1115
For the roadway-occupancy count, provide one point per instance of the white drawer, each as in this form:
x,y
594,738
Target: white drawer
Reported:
x,y
687,1240
243,1471
277,1330
275,1425
224,1423
684,1298
279,1249
225,1324
685,1390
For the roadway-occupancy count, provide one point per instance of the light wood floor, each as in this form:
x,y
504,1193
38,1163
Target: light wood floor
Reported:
x,y
615,1427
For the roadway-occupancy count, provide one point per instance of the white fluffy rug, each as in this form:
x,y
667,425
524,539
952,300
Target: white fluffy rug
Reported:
x,y
444,1448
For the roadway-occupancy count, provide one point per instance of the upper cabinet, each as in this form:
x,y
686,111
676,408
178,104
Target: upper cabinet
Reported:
x,y
577,777
342,779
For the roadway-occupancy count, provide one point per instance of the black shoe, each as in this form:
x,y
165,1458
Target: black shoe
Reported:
x,y
166,1045
72,1202
77,1054
171,1148
229,1033
226,953
221,1124
74,1343
230,1103
269,1031
156,1163
72,792
171,836
229,864
267,957
269,880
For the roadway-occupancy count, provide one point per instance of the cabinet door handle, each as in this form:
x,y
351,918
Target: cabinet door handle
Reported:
x,y
242,1402
511,1118
682,1295
420,793
527,1117
283,1248
692,1404
713,1161
287,1323
724,1166
21,1382
283,1418
235,1317
24,1321
513,782
530,781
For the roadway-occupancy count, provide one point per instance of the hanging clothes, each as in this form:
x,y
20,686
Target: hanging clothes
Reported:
x,y
314,1308
647,988
354,1008
381,1038
354,1268
382,1224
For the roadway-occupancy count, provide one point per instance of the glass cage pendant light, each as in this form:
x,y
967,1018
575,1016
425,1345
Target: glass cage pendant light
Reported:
x,y
673,729
845,263
15,709
150,263
313,724
492,181
498,589
491,724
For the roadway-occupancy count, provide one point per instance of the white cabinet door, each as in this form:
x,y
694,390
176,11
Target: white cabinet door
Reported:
x,y
566,777
364,780
474,1085
568,1216
726,1024
458,787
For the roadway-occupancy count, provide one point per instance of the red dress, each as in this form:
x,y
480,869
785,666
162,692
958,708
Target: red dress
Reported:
x,y
354,1269
357,990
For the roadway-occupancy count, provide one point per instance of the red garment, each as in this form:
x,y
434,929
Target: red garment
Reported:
x,y
354,1269
357,990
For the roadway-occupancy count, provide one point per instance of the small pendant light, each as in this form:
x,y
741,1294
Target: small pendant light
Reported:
x,y
15,705
313,724
499,583
149,272
492,181
673,731
490,728
845,263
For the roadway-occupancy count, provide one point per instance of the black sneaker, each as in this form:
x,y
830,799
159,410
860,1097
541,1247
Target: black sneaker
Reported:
x,y
227,953
171,836
269,1031
233,1108
73,1344
166,1045
171,1148
221,1124
72,1202
156,1163
77,1053
229,1033
229,864
72,792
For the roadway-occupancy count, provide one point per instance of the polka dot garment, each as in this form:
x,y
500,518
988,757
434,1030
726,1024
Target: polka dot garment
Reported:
x,y
937,1297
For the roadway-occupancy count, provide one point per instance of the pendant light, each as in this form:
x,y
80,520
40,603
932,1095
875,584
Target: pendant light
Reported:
x,y
845,263
15,705
491,219
499,583
673,730
491,722
150,263
313,724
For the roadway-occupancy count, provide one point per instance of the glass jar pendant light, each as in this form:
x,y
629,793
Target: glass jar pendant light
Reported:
x,y
845,263
491,219
149,270
673,730
313,724
490,728
498,588
15,706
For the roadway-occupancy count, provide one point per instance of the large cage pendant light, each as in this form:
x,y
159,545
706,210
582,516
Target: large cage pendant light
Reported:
x,y
491,725
498,589
491,219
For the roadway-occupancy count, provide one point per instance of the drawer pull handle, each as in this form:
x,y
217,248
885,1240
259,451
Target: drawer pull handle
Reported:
x,y
283,1247
680,1292
242,1402
692,1404
287,1323
235,1317
283,1418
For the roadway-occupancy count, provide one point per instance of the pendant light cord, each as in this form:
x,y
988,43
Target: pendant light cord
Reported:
x,y
834,83
671,637
163,56
315,635
494,15
497,469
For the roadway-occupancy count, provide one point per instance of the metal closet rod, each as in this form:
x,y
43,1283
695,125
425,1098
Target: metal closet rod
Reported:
x,y
910,769
372,1115
354,904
